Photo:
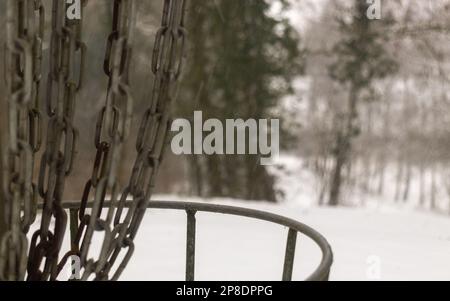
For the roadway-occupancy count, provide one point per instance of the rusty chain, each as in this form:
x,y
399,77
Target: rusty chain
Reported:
x,y
120,227
63,85
167,63
23,59
152,137
25,30
113,126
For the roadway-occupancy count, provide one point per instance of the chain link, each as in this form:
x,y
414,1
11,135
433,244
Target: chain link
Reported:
x,y
63,85
23,59
113,126
166,64
25,33
120,227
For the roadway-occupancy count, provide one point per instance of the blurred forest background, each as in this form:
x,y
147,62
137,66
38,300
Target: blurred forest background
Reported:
x,y
364,103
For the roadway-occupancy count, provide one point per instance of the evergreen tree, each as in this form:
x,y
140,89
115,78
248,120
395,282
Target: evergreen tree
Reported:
x,y
242,62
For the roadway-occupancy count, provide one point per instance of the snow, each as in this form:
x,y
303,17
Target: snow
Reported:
x,y
408,245
379,241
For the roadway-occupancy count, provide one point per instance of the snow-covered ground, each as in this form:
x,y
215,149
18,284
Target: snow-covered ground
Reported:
x,y
367,244
380,241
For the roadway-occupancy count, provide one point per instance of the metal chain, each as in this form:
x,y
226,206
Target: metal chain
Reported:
x,y
23,67
113,126
167,63
25,30
120,227
63,85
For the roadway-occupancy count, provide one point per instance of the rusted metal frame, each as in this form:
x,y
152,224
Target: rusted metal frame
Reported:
x,y
321,273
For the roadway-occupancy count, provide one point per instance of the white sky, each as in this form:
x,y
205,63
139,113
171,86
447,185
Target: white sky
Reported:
x,y
305,11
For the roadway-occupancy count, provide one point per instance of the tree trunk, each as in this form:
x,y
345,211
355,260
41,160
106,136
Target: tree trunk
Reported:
x,y
398,185
382,176
422,185
343,148
196,176
2,150
3,227
215,183
323,180
407,183
335,189
3,123
433,188
367,173
260,184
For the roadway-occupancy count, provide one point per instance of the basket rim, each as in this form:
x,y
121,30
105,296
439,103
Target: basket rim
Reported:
x,y
321,272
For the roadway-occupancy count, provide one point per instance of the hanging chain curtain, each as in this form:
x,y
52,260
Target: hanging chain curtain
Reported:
x,y
43,258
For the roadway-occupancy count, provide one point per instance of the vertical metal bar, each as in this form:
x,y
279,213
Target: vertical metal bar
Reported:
x,y
290,255
73,227
190,245
327,276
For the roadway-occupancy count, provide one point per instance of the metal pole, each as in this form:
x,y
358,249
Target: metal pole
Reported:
x,y
190,245
73,227
290,255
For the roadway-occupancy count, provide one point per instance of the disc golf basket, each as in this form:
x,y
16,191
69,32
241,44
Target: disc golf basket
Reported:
x,y
115,210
